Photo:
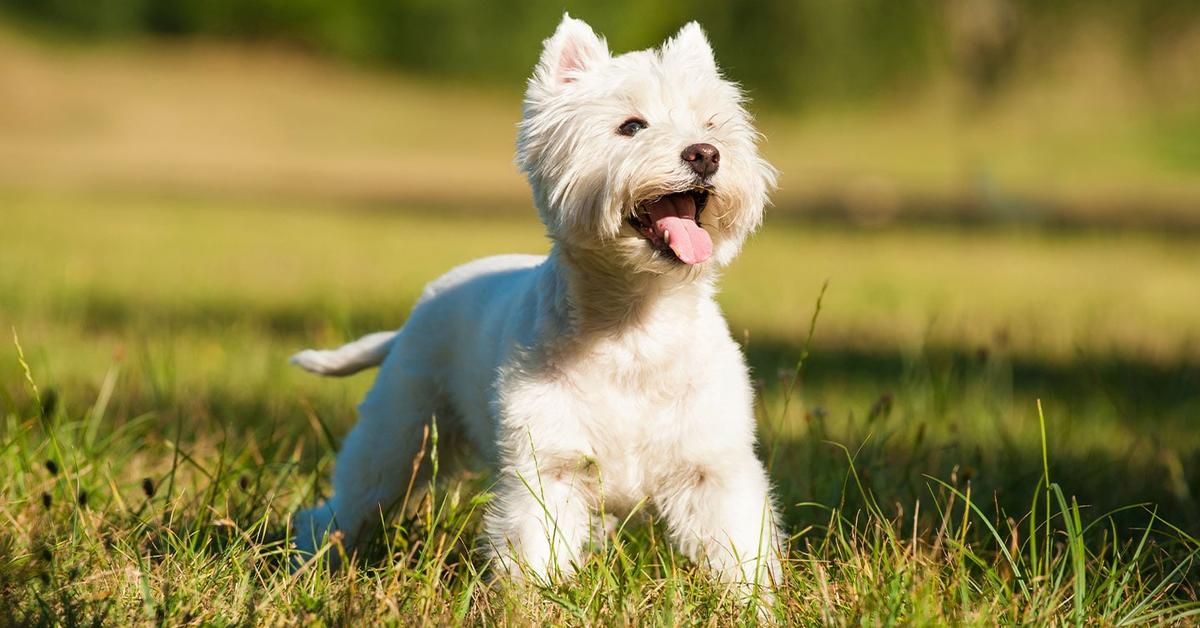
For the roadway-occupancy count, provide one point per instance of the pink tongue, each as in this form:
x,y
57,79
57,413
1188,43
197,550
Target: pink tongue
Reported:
x,y
674,219
691,244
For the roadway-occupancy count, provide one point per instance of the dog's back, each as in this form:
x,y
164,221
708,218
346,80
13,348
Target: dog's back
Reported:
x,y
369,351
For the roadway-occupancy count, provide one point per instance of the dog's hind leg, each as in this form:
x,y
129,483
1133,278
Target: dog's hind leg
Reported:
x,y
374,467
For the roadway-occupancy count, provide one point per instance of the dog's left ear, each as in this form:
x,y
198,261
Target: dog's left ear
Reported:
x,y
690,48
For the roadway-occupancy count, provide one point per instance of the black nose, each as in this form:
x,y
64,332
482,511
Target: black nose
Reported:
x,y
703,158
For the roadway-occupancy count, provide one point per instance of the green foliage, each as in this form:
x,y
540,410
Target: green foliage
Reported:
x,y
791,52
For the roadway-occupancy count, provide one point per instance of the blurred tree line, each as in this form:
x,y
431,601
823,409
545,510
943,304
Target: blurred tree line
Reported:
x,y
789,52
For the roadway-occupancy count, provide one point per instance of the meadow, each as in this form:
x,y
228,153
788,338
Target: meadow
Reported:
x,y
155,440
973,332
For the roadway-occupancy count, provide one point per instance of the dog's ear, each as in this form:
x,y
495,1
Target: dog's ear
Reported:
x,y
690,48
572,49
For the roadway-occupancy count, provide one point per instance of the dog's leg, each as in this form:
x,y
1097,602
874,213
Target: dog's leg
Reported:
x,y
375,463
721,515
540,521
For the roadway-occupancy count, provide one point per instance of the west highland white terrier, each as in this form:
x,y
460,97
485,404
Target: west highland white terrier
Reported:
x,y
601,376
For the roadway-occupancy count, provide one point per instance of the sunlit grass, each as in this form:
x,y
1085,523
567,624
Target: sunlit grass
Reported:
x,y
105,263
152,474
178,515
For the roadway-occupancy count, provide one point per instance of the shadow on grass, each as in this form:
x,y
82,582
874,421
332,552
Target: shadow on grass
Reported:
x,y
1119,431
964,417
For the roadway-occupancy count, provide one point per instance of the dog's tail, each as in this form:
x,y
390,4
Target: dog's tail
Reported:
x,y
350,358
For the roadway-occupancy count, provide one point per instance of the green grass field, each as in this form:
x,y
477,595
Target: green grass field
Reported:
x,y
154,441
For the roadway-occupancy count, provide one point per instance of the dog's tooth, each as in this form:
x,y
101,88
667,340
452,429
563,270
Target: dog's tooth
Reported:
x,y
666,236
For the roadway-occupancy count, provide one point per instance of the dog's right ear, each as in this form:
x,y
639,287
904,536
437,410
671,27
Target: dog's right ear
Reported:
x,y
572,49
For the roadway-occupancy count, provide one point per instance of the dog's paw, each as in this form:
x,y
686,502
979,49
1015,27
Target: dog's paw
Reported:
x,y
311,530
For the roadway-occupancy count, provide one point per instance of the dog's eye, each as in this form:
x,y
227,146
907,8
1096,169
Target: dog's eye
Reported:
x,y
631,126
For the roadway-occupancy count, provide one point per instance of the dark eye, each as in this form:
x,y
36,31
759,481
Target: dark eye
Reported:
x,y
631,126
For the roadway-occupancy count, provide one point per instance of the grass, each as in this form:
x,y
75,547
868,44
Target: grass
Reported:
x,y
988,426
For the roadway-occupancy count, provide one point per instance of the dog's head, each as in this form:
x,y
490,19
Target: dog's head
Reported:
x,y
648,157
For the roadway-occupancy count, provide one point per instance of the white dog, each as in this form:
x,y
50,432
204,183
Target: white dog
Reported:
x,y
603,375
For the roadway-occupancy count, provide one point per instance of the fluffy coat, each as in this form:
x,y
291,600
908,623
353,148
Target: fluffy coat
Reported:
x,y
602,375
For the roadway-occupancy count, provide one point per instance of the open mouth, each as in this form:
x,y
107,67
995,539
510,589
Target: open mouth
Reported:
x,y
671,224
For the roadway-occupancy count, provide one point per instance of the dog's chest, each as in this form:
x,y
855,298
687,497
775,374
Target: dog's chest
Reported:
x,y
639,400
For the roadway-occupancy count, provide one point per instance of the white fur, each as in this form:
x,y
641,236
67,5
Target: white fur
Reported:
x,y
600,376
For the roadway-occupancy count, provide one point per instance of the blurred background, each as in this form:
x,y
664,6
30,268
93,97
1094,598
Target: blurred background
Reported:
x,y
1003,195
975,110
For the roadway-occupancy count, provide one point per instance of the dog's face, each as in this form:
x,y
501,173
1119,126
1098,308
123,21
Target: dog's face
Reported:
x,y
647,158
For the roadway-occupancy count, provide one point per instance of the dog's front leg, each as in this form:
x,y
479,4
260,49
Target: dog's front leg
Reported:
x,y
719,513
540,520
